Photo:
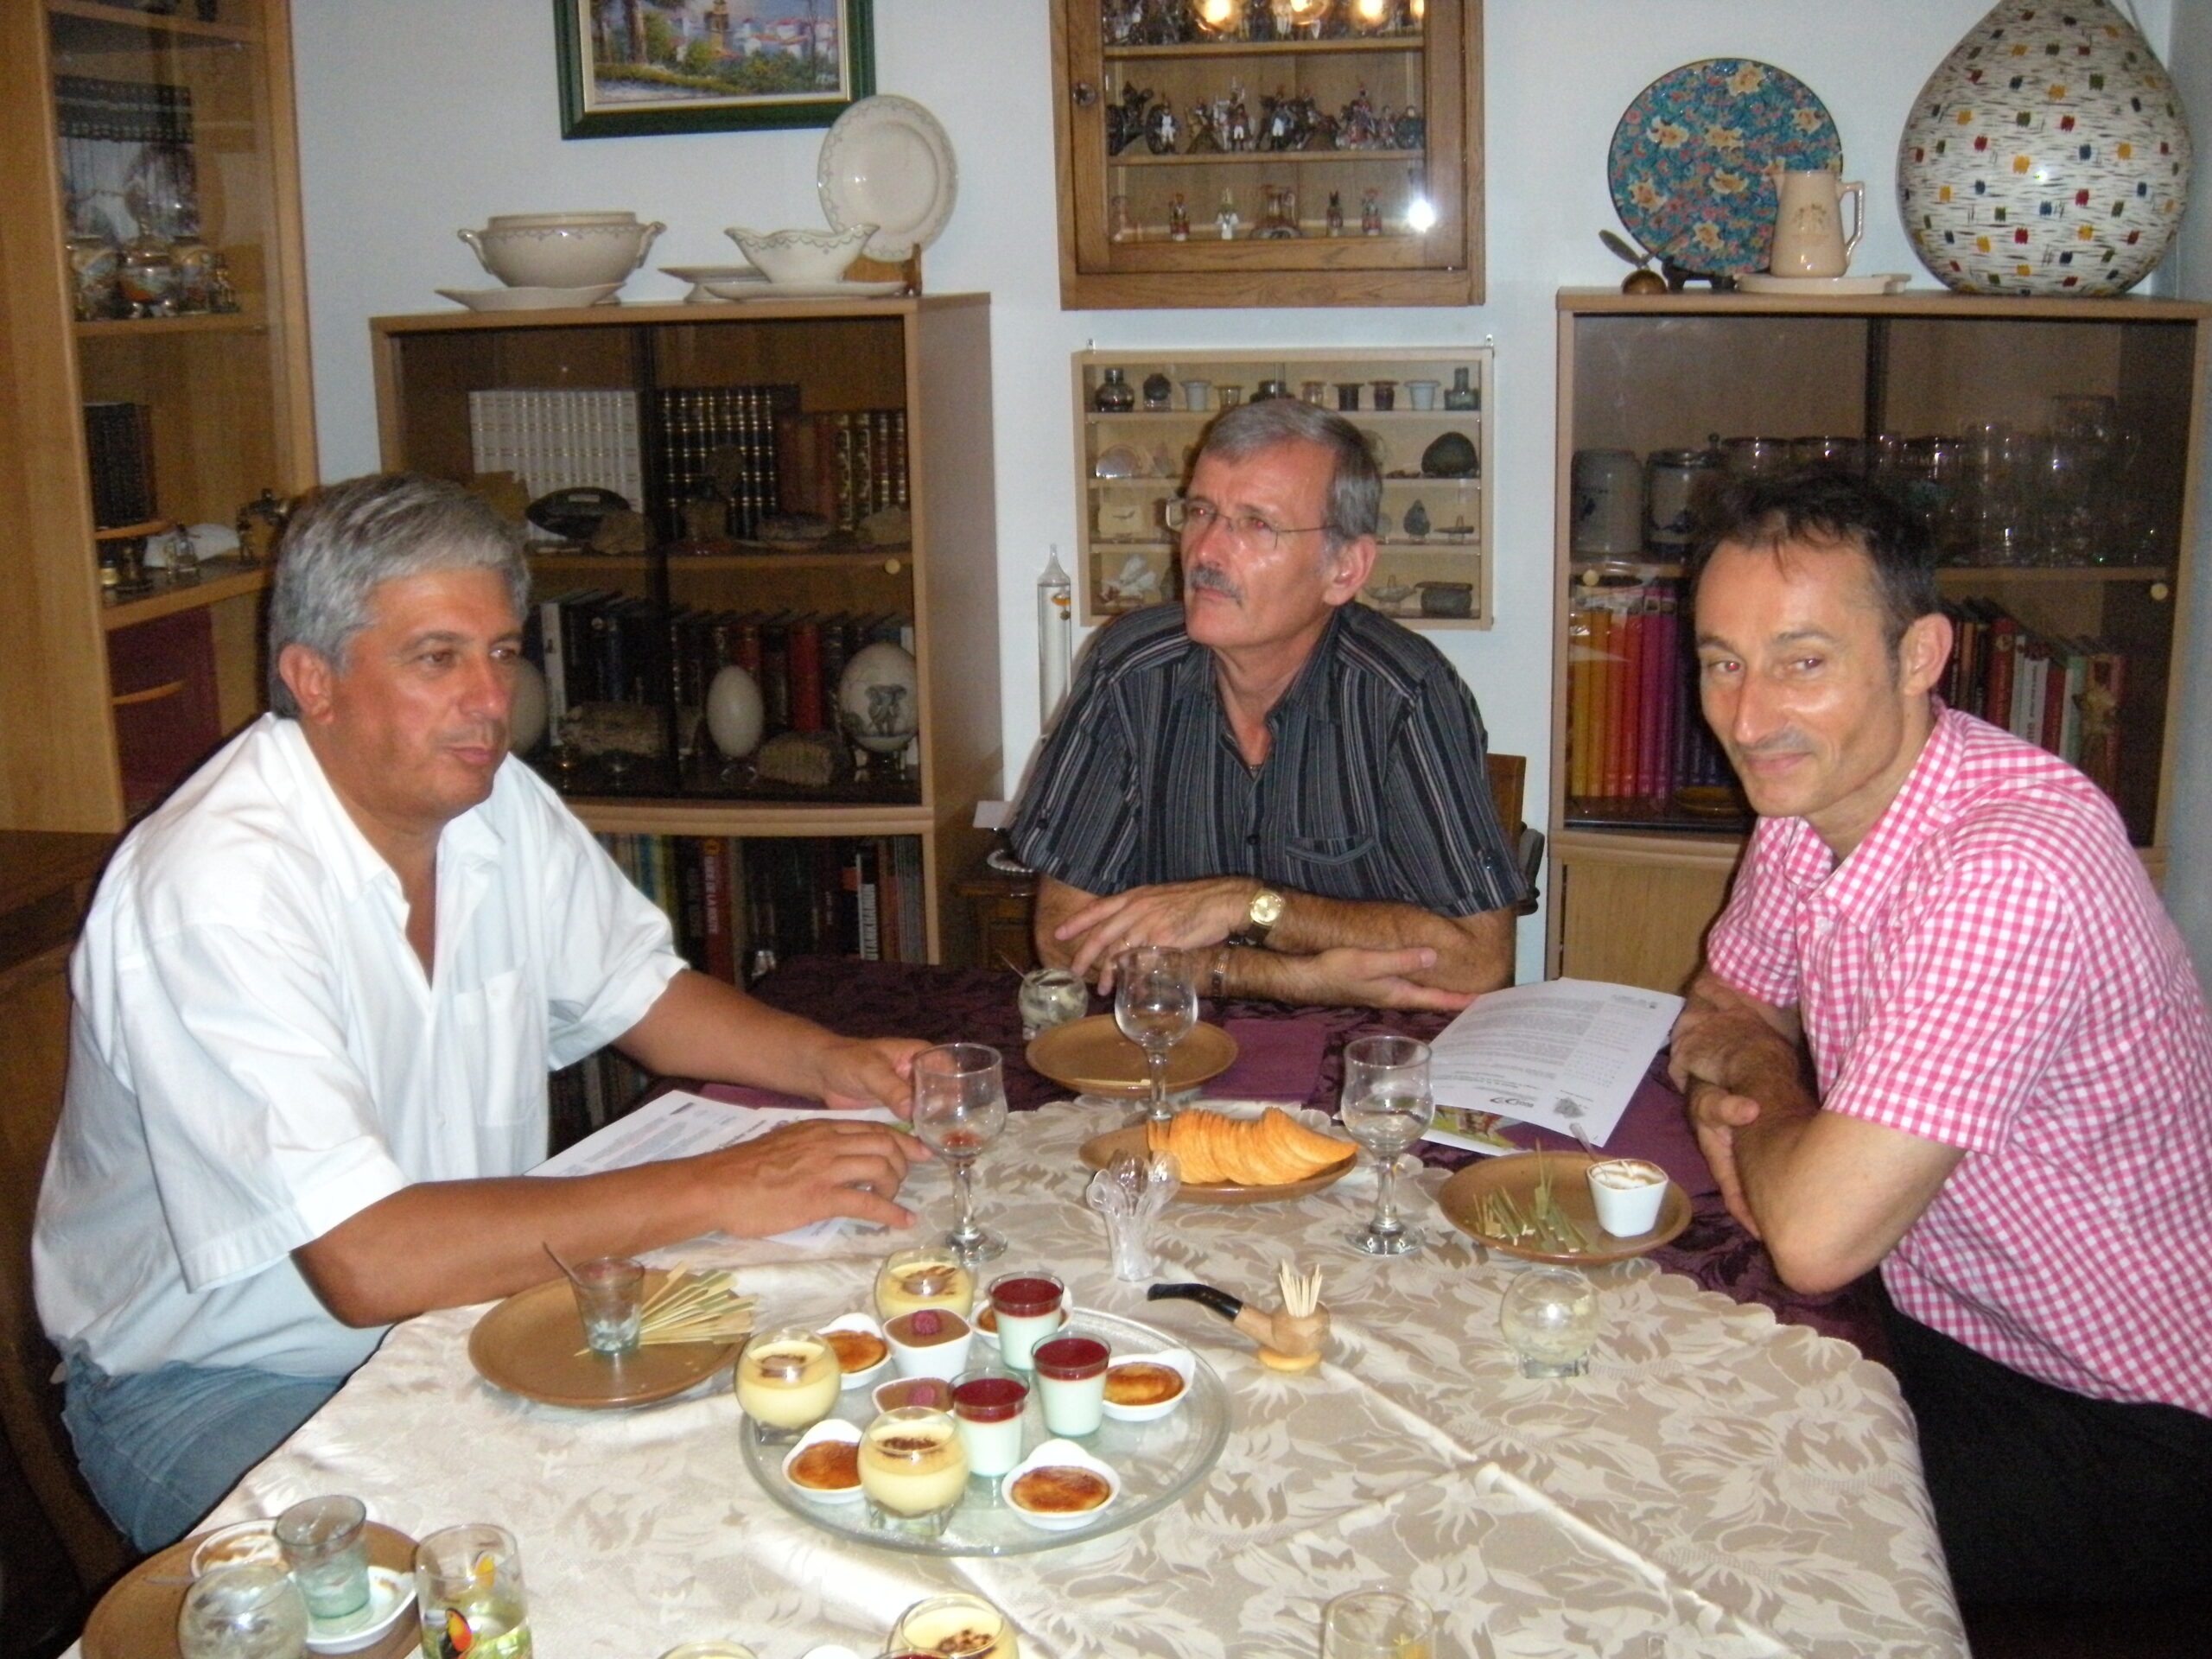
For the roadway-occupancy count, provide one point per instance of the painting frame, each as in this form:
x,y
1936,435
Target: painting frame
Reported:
x,y
690,107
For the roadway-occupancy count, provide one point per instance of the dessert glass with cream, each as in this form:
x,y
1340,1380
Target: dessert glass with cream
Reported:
x,y
926,1275
1025,1308
956,1627
913,1469
1071,1378
787,1380
987,1405
1627,1193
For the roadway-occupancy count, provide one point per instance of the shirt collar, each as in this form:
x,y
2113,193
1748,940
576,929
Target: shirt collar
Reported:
x,y
346,851
1873,864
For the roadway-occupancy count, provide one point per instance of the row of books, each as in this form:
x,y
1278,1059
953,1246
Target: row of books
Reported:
x,y
842,466
719,441
2063,694
119,449
590,1095
1634,732
596,646
738,905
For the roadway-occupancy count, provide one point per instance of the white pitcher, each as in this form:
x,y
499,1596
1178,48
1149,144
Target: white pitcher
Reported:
x,y
1808,238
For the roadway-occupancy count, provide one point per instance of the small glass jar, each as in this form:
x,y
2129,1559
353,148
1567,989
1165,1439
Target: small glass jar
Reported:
x,y
1115,396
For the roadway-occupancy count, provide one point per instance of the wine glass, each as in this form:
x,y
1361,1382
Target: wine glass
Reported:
x,y
1377,1625
1386,1107
959,1108
1155,1004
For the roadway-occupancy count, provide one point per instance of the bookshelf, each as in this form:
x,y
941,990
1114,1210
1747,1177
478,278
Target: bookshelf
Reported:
x,y
125,126
2060,578
1433,563
890,396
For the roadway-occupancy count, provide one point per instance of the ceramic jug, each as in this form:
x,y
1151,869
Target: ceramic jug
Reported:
x,y
1808,238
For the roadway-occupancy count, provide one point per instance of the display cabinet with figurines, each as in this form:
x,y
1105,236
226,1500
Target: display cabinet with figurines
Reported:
x,y
1269,152
1138,417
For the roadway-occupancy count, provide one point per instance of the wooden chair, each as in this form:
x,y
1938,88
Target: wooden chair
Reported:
x,y
1509,776
46,880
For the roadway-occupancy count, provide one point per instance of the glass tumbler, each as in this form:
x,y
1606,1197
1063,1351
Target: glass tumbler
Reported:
x,y
249,1610
326,1544
1377,1624
1549,1318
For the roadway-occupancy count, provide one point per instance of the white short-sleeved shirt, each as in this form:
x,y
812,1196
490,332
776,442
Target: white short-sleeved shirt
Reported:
x,y
256,1055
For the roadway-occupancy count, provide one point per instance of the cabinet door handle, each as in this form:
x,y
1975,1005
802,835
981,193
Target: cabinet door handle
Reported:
x,y
151,694
1084,94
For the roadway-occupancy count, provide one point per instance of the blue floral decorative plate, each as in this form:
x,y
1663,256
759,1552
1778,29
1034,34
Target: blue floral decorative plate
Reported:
x,y
1688,165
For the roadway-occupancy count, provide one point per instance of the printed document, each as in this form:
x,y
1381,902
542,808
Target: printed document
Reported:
x,y
1564,1054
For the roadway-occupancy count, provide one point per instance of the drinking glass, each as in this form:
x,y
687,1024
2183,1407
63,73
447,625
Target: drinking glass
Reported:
x,y
1155,1004
326,1544
1549,1317
1377,1625
611,1301
959,1108
251,1610
473,1574
1386,1106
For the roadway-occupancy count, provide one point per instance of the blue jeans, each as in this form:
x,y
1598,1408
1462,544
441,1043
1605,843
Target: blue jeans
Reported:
x,y
161,1448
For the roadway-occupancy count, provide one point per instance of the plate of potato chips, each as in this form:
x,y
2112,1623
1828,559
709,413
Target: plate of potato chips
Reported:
x,y
1227,1157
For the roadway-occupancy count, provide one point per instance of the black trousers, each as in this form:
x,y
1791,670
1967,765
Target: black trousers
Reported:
x,y
2043,1495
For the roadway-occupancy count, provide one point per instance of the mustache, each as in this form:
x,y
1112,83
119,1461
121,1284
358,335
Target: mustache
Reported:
x,y
1214,580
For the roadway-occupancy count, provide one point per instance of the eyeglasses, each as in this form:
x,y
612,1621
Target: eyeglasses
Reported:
x,y
1191,519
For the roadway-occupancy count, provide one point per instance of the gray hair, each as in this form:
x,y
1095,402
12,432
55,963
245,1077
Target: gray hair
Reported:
x,y
1353,505
346,540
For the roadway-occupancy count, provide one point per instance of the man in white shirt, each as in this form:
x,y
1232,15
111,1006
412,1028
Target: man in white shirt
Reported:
x,y
316,1001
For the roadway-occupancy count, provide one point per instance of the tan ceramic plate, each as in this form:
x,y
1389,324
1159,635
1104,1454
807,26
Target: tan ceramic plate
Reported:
x,y
528,1344
1515,1176
137,1619
1098,1152
1092,1057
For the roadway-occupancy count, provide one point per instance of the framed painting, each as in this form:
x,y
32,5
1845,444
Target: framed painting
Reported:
x,y
632,66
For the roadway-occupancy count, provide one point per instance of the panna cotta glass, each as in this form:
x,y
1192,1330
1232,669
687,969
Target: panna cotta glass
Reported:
x,y
957,1627
913,1469
1627,1192
927,1275
1025,1309
787,1380
1071,1378
987,1405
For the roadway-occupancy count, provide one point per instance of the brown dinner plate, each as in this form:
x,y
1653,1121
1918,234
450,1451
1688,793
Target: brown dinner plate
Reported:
x,y
528,1346
1515,1175
1092,1057
1098,1153
137,1619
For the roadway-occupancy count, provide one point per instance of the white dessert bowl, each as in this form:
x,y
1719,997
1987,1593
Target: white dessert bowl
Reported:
x,y
861,1379
801,256
391,1594
943,1360
562,250
1626,1193
829,1428
236,1545
1060,1454
1182,1362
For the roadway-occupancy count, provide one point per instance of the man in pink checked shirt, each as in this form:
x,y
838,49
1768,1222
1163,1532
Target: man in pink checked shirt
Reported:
x,y
1944,1027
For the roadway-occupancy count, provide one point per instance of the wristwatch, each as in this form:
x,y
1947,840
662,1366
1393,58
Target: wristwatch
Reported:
x,y
1261,915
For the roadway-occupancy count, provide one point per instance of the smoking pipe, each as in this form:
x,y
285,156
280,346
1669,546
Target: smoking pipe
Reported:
x,y
1291,1339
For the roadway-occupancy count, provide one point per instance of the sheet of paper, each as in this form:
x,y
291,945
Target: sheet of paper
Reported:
x,y
680,1124
1568,1051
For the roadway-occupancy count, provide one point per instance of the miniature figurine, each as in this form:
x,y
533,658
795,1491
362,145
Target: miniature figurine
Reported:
x,y
1413,132
1237,132
1277,225
1125,122
1203,138
1160,130
1226,220
1178,219
1370,213
1135,583
1335,213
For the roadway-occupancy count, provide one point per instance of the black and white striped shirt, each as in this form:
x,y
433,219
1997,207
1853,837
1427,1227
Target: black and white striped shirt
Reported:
x,y
1373,786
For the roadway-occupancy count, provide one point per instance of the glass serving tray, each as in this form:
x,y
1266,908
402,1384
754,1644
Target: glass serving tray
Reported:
x,y
1158,1462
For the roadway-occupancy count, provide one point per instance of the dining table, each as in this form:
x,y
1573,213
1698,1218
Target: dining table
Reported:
x,y
1720,1482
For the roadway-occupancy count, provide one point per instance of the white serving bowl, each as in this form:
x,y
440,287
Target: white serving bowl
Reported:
x,y
562,250
1056,1454
829,1428
861,1322
801,256
235,1545
1179,1361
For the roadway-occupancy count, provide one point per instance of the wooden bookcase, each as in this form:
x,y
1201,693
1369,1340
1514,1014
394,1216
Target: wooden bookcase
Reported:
x,y
1131,463
114,698
1636,882
1428,183
928,357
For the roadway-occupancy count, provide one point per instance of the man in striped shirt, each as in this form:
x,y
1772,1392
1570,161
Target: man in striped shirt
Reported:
x,y
1269,771
2009,1104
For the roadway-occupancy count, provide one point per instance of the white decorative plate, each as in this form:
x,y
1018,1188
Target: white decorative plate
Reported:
x,y
1760,281
529,299
803,290
887,163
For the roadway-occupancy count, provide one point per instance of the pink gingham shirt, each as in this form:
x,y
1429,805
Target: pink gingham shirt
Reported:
x,y
1990,969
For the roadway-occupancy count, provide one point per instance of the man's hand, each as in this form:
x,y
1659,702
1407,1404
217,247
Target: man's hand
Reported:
x,y
1350,977
853,1073
1179,915
804,1173
1716,1115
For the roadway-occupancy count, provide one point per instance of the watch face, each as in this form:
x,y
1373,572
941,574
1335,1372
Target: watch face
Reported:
x,y
1267,908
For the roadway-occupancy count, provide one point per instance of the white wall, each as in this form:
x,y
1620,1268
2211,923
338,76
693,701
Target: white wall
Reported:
x,y
421,116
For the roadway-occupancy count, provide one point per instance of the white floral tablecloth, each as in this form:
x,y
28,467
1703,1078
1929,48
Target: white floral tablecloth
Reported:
x,y
1718,1484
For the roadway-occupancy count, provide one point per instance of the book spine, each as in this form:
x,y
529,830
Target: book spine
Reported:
x,y
711,856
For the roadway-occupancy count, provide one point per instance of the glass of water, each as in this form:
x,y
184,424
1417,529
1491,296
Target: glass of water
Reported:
x,y
251,1610
1155,1004
611,1302
1549,1318
469,1594
326,1544
1386,1107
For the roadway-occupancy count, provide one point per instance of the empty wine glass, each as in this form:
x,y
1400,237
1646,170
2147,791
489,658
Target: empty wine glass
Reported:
x,y
959,1108
1155,1004
1386,1107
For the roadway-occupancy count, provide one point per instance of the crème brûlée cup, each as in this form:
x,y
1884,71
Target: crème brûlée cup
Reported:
x,y
788,1379
957,1627
1626,1193
912,1464
927,1275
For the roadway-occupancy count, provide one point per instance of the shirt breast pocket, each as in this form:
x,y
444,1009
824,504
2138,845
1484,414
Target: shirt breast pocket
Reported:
x,y
497,1053
1329,851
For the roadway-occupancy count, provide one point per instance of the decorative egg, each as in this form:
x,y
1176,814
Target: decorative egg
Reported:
x,y
2048,154
735,713
526,709
878,699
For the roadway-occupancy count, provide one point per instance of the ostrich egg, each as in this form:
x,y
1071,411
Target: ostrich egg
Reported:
x,y
526,709
735,711
879,701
